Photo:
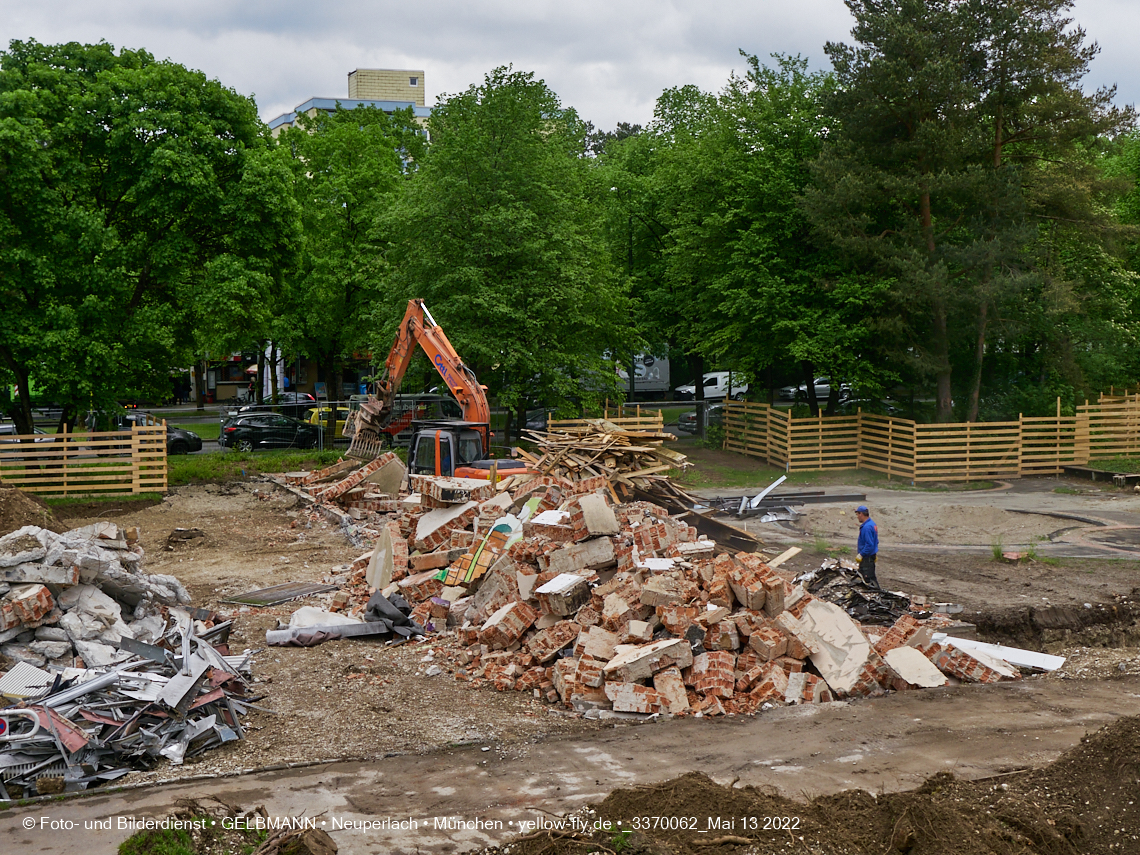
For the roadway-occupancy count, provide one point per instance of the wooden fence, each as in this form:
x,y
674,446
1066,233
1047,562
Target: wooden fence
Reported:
x,y
937,452
649,420
86,464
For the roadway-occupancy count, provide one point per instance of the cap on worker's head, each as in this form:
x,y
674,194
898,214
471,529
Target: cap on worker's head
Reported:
x,y
862,509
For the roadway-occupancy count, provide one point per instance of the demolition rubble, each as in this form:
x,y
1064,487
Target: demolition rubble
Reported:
x,y
544,583
110,671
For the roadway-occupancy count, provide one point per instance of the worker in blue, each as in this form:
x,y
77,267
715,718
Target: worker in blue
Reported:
x,y
868,546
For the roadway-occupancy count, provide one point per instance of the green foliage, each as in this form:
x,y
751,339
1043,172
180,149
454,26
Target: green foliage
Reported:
x,y
714,436
126,182
162,841
961,168
498,233
997,548
347,169
705,213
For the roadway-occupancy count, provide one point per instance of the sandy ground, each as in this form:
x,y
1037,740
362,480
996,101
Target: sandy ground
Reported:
x,y
400,734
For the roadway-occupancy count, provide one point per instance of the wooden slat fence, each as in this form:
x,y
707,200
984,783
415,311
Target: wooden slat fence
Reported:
x,y
936,452
647,420
887,445
967,452
86,464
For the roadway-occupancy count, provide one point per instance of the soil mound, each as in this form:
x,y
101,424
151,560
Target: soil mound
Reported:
x,y
18,509
1087,801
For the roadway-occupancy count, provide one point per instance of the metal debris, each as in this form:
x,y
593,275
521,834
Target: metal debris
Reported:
x,y
838,581
276,594
90,726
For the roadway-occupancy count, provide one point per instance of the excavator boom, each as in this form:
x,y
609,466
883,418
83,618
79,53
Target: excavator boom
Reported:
x,y
417,328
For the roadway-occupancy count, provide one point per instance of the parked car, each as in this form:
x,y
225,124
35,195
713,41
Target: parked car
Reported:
x,y
687,422
822,391
8,429
178,440
320,416
252,431
294,404
717,387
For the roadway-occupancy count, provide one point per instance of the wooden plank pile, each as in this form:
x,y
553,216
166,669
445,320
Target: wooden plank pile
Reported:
x,y
634,458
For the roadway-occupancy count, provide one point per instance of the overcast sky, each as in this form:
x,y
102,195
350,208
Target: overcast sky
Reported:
x,y
609,59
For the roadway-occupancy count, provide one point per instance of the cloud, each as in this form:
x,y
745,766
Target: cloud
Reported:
x,y
610,60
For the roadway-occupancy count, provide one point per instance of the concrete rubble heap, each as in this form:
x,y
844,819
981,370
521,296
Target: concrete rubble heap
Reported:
x,y
543,585
108,671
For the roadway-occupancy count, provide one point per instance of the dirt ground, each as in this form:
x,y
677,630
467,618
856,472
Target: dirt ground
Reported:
x,y
363,701
1088,800
354,699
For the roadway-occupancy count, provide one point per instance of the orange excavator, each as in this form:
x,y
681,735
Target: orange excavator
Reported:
x,y
439,447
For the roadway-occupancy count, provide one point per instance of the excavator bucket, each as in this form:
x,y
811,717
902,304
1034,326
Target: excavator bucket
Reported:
x,y
365,448
363,426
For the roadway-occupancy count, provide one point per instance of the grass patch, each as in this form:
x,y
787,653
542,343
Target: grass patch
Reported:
x,y
207,430
819,544
162,841
1122,465
997,548
220,466
106,498
1066,490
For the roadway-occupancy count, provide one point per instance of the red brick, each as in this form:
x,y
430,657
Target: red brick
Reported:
x,y
677,619
714,673
722,636
422,586
631,697
545,644
768,642
507,625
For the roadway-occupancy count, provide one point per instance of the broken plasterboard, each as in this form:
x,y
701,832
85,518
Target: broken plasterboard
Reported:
x,y
1012,655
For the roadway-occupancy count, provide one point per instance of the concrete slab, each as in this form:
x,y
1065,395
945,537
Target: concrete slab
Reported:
x,y
915,668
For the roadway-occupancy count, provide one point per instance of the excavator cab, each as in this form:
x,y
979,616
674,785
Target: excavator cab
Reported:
x,y
441,447
455,448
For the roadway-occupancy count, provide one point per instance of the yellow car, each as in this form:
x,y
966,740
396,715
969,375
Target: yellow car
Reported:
x,y
320,415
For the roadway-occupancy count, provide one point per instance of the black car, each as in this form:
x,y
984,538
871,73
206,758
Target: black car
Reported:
x,y
251,431
294,404
178,440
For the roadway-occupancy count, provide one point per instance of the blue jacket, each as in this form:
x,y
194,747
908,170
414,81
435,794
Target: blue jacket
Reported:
x,y
868,538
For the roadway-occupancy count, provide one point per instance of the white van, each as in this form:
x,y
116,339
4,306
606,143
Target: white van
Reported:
x,y
718,385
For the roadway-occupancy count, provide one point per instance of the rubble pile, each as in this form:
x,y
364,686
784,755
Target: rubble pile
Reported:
x,y
545,586
108,672
600,447
67,599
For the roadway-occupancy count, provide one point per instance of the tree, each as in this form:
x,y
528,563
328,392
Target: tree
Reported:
x,y
498,231
123,181
348,166
960,130
728,269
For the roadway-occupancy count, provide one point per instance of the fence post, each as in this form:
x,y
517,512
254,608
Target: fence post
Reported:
x,y
1020,442
66,455
136,454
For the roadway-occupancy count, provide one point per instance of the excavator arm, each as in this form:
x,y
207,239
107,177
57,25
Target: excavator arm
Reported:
x,y
418,328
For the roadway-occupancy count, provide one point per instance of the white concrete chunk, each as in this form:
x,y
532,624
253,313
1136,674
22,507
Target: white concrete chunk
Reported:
x,y
915,668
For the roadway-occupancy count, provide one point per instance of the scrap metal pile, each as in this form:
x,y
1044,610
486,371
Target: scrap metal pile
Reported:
x,y
544,585
108,672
